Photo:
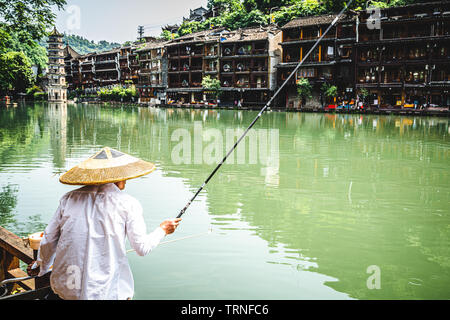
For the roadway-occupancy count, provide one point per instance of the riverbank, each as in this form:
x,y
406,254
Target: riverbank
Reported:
x,y
338,178
442,112
437,112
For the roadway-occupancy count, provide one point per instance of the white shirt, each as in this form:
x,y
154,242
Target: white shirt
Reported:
x,y
85,243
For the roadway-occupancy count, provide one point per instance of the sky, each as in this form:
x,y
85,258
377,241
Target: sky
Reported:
x,y
117,21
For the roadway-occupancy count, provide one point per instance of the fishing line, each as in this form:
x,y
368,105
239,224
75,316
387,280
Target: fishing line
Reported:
x,y
183,238
263,110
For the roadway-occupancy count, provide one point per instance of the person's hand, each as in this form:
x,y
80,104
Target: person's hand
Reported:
x,y
170,225
32,272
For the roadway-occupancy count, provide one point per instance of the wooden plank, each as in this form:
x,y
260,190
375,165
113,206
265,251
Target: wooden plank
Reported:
x,y
14,245
7,262
19,273
38,294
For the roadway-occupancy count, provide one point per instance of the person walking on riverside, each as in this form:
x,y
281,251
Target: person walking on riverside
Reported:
x,y
85,239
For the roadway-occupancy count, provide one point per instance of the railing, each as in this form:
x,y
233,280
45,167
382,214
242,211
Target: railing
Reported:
x,y
149,70
259,68
12,249
105,61
189,85
253,85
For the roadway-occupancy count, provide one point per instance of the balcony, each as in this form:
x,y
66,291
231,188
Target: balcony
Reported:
x,y
185,85
105,61
258,69
211,69
103,80
196,68
105,70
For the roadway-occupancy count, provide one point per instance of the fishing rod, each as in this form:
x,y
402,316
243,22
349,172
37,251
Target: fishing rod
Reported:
x,y
263,110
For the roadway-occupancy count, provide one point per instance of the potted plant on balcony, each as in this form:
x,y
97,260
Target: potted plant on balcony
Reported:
x,y
363,94
330,92
213,86
304,90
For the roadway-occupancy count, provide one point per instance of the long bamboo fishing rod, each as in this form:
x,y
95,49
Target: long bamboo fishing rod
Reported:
x,y
263,110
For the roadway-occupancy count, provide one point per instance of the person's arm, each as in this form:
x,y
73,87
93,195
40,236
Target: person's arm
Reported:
x,y
49,242
136,231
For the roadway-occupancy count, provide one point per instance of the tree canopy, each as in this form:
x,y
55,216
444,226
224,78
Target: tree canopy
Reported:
x,y
15,73
28,18
83,45
235,14
22,24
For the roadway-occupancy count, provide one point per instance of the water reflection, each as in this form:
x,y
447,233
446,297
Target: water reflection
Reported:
x,y
56,116
344,192
8,201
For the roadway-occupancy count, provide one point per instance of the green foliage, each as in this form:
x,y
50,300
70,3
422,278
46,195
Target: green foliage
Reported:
x,y
363,94
15,73
299,9
166,35
32,90
22,23
8,202
83,45
188,27
330,91
118,93
213,85
40,96
11,42
304,88
28,18
234,14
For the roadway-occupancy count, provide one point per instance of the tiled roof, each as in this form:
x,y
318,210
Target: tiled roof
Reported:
x,y
249,34
68,51
152,45
316,20
115,50
55,33
197,36
310,21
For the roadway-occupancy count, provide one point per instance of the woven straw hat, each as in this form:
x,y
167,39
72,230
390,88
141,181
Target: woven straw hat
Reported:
x,y
107,166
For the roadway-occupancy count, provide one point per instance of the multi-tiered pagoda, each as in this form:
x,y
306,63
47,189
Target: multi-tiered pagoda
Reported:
x,y
56,88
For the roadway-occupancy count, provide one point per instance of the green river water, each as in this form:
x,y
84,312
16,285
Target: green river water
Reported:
x,y
311,204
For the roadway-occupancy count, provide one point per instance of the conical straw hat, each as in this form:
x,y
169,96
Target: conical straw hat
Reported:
x,y
107,166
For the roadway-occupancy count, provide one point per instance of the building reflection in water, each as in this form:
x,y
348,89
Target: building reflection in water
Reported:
x,y
342,193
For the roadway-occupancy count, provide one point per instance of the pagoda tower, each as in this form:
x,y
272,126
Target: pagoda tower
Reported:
x,y
56,86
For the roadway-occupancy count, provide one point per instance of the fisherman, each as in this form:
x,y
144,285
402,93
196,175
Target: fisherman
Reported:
x,y
85,239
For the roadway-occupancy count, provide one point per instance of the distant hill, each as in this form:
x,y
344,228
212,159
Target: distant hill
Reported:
x,y
83,45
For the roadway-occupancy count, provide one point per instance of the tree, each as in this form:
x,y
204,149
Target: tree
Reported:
x,y
15,73
29,18
304,90
363,94
36,53
224,5
213,85
329,91
265,5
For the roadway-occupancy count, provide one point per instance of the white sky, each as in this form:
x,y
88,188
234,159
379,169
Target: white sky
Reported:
x,y
117,21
